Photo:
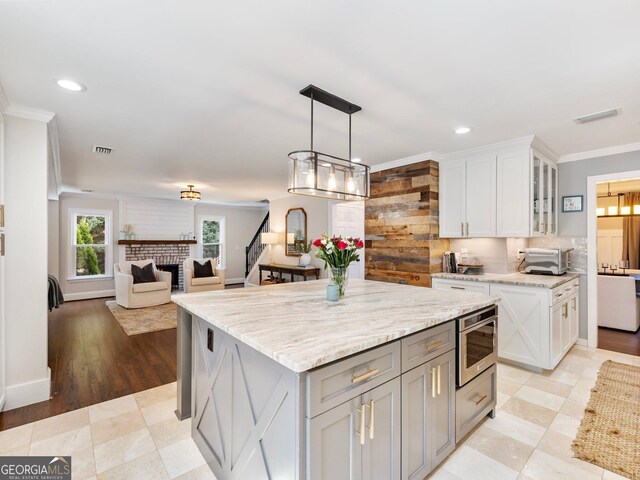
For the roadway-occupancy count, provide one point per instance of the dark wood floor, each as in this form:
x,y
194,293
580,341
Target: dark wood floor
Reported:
x,y
93,360
619,340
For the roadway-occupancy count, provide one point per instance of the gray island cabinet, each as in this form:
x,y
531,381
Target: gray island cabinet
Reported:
x,y
283,385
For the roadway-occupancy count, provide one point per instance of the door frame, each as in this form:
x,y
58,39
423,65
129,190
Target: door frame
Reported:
x,y
592,249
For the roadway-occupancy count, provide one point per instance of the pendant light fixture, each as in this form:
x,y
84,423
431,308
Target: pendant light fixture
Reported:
x,y
617,210
322,175
191,194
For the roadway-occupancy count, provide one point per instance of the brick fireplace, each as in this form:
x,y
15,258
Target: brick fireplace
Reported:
x,y
163,252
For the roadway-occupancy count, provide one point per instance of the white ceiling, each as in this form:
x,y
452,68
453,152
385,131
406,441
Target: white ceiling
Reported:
x,y
207,91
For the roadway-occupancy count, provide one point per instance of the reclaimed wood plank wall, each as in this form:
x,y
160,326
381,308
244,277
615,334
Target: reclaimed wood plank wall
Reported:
x,y
401,225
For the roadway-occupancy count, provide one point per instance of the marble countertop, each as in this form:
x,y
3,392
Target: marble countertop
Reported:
x,y
524,279
294,324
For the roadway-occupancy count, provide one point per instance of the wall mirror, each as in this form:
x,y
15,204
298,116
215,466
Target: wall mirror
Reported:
x,y
296,231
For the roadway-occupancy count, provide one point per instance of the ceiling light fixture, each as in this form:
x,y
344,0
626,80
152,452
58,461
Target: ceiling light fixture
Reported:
x,y
462,130
70,85
322,175
592,117
191,194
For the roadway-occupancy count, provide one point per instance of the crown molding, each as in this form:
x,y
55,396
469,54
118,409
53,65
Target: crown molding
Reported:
x,y
524,142
401,162
29,113
602,152
54,147
4,101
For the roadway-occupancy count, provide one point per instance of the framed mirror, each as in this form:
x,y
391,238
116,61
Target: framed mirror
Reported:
x,y
296,231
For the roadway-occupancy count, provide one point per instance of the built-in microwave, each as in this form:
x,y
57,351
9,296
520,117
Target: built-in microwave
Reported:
x,y
477,343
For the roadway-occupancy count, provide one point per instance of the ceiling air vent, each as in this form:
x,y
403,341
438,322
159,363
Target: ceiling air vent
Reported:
x,y
102,150
592,117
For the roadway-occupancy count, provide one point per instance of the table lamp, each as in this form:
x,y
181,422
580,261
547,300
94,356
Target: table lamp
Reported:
x,y
269,238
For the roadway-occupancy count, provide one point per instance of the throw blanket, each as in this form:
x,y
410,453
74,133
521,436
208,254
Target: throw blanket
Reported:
x,y
55,294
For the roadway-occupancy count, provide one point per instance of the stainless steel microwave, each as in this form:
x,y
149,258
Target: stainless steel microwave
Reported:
x,y
547,261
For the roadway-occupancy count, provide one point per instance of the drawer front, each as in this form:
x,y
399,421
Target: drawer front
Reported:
x,y
339,382
469,286
424,346
474,401
564,291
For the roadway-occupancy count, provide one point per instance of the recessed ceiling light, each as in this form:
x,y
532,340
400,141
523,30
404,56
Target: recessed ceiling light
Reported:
x,y
356,160
462,130
86,190
70,85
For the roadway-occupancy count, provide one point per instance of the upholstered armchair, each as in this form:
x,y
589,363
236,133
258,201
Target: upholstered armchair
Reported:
x,y
618,303
138,295
203,284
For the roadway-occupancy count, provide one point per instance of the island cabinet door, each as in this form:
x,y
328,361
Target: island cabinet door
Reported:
x,y
428,416
381,450
334,447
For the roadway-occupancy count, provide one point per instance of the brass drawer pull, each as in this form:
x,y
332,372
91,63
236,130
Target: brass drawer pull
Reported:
x,y
366,375
481,399
439,379
361,431
433,382
371,420
434,345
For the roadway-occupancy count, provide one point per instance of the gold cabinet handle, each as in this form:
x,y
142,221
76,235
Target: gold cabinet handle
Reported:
x,y
481,399
439,379
565,310
467,229
371,419
461,229
433,382
434,345
574,303
361,432
366,375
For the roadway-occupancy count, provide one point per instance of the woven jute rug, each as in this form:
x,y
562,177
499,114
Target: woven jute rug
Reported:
x,y
609,434
144,320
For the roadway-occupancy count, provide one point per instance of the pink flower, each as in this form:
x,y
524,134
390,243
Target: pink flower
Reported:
x,y
359,244
317,242
342,245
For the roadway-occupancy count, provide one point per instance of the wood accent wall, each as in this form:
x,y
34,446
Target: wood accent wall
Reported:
x,y
402,225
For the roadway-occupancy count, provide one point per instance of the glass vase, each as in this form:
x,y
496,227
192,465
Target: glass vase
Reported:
x,y
339,276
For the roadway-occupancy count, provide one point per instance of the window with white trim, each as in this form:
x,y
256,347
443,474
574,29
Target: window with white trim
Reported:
x,y
212,238
91,244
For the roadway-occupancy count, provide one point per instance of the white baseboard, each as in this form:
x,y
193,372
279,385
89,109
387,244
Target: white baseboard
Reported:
x,y
232,281
88,295
582,342
28,393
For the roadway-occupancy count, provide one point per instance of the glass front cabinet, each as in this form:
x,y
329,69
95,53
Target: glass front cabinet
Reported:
x,y
544,196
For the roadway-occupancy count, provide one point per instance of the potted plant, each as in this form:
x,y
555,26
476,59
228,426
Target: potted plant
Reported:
x,y
338,253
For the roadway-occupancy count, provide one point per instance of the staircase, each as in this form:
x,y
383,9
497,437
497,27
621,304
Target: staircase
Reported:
x,y
255,248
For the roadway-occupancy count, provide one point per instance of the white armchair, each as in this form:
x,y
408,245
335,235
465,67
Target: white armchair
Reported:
x,y
618,303
205,284
130,295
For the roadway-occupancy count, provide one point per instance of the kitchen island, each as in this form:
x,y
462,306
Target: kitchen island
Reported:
x,y
282,384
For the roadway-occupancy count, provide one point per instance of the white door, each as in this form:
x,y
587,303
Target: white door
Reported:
x,y
481,197
347,220
452,198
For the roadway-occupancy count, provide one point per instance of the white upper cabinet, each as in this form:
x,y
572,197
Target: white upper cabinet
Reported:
x,y
468,197
503,190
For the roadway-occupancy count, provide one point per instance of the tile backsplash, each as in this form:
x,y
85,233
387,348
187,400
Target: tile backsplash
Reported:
x,y
578,256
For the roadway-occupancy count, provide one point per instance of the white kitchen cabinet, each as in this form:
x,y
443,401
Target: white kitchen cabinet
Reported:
x,y
502,190
537,326
468,197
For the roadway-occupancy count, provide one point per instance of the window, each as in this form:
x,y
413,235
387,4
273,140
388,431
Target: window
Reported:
x,y
91,251
212,237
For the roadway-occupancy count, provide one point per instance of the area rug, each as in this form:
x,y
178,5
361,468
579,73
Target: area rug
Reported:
x,y
609,434
144,320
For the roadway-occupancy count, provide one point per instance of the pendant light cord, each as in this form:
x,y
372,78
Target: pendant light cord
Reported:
x,y
311,120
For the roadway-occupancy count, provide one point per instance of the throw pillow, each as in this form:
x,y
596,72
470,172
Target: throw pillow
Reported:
x,y
201,270
143,274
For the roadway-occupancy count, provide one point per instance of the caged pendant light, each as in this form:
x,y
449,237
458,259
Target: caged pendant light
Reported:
x,y
322,175
191,194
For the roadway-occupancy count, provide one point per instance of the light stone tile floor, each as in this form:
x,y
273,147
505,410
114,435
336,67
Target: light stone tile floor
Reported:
x,y
139,437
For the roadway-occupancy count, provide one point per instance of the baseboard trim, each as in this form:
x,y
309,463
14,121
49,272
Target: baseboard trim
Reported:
x,y
582,342
27,393
233,281
70,297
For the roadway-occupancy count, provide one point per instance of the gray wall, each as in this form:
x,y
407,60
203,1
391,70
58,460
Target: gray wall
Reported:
x,y
573,181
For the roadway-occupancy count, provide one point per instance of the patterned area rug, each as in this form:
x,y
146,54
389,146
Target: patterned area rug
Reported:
x,y
609,434
144,320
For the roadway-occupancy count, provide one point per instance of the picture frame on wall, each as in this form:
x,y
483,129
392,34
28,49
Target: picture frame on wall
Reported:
x,y
572,203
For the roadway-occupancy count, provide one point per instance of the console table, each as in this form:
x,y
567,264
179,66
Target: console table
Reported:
x,y
292,270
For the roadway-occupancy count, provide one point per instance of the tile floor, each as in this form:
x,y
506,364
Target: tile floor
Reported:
x,y
139,437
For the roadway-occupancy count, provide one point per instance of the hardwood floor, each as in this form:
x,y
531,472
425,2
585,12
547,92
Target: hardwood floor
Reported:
x,y
619,340
93,360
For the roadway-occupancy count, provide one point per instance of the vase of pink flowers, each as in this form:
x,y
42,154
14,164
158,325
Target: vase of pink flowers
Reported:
x,y
338,253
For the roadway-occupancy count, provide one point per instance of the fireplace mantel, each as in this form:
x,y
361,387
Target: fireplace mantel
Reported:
x,y
157,242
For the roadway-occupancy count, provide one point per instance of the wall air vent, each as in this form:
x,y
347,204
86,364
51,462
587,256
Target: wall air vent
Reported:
x,y
592,117
102,150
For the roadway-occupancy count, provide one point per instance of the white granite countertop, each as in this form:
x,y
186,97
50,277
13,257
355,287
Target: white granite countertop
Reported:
x,y
295,325
525,279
